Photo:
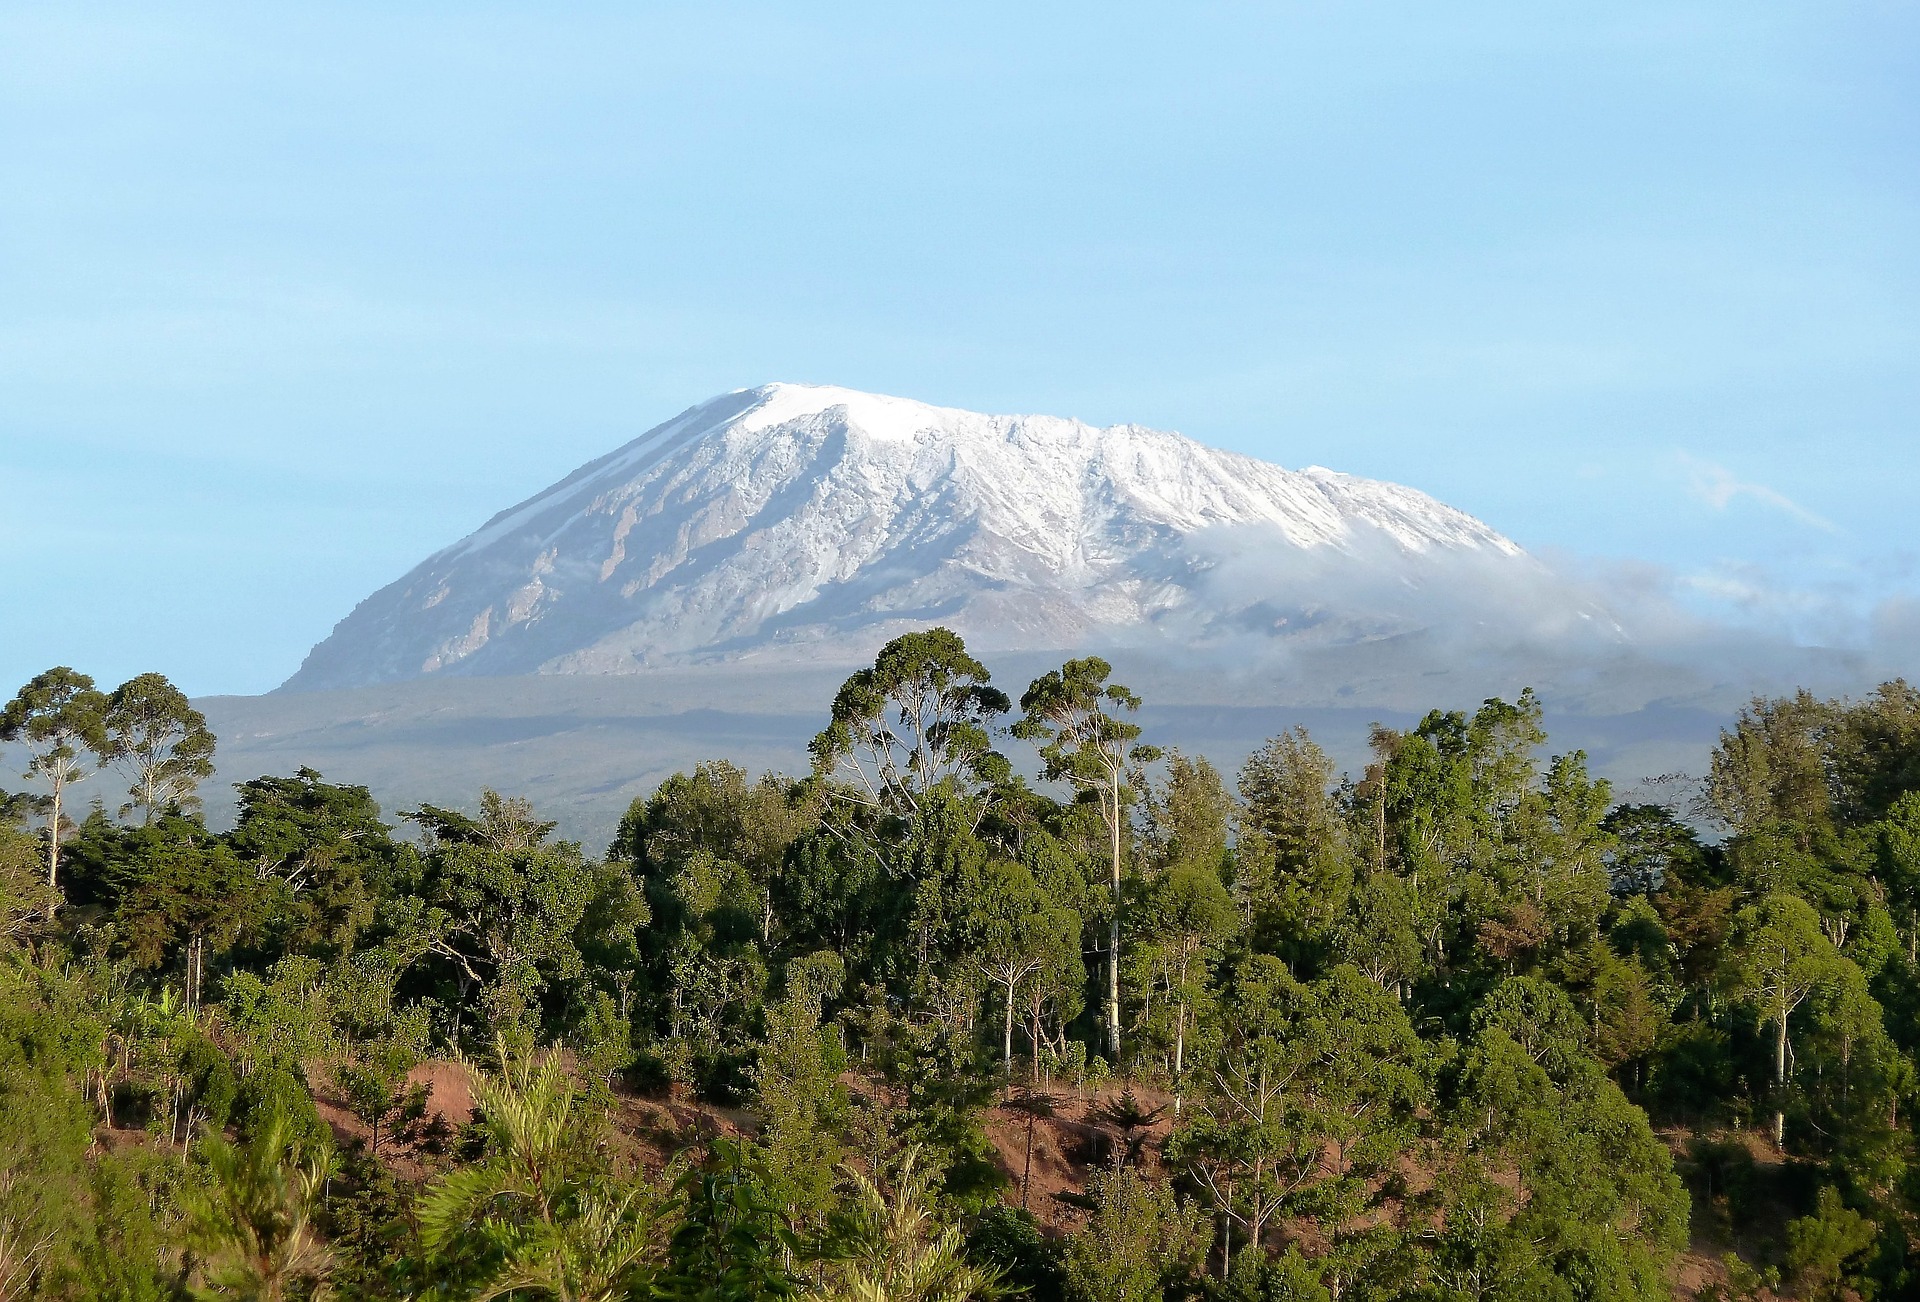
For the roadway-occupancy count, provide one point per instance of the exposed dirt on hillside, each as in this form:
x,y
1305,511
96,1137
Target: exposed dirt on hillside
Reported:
x,y
1050,1141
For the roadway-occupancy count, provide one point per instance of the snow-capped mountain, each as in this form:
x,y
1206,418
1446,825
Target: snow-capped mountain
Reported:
x,y
802,524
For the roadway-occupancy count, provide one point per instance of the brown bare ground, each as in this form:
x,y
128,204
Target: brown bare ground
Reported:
x,y
1068,1148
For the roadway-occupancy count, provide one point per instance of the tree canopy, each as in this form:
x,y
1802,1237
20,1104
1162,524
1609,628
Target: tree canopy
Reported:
x,y
968,1011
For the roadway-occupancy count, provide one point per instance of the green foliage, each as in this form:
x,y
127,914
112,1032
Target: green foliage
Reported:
x,y
252,1228
275,1095
1140,1239
1071,714
184,896
798,1093
603,1037
1023,942
1599,1201
375,1088
1782,958
129,1245
939,1075
43,1139
506,911
1008,1242
1294,870
285,1018
536,1216
1287,1277
370,1223
894,1247
921,718
1401,1036
1649,845
1820,1246
1314,1093
1288,788
25,896
1180,929
160,742
328,856
1190,817
733,1242
61,720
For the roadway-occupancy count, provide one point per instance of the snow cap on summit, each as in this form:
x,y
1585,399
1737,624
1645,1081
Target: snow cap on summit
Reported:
x,y
805,521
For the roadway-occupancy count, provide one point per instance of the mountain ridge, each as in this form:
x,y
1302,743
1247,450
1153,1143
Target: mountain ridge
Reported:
x,y
806,522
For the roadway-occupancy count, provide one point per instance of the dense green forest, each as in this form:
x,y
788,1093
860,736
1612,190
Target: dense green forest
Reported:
x,y
999,999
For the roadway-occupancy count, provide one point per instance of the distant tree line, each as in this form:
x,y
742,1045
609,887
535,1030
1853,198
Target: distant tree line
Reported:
x,y
1458,1026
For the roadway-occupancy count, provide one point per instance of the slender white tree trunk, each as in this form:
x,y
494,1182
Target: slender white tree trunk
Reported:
x,y
1780,1081
1179,1057
53,839
1007,1038
1113,943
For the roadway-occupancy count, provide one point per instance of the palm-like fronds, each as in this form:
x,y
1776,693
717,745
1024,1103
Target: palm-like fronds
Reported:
x,y
894,1248
588,1255
554,1233
525,1110
252,1230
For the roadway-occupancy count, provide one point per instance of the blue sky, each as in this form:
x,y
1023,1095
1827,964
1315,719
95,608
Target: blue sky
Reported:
x,y
291,296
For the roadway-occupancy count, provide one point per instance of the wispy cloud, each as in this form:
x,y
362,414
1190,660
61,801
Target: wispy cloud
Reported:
x,y
1718,486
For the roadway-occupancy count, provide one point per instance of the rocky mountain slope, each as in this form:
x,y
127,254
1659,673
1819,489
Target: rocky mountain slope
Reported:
x,y
805,525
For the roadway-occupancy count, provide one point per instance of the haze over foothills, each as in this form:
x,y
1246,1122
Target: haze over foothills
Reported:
x,y
291,300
